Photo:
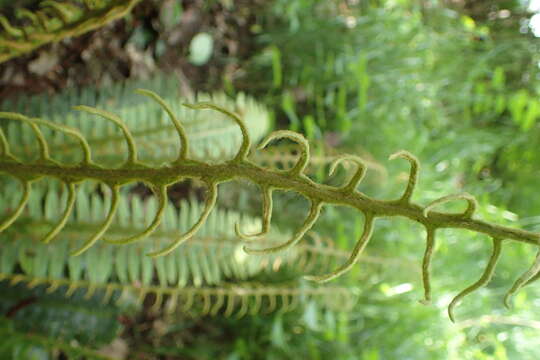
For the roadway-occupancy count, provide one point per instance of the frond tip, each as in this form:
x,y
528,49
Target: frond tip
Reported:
x,y
413,175
484,279
471,204
358,174
303,160
266,216
523,280
426,264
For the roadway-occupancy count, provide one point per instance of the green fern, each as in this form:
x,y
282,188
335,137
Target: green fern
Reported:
x,y
159,178
238,299
54,21
29,330
216,254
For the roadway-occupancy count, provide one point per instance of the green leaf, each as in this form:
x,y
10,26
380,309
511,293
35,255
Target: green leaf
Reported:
x,y
147,263
75,266
121,264
500,104
57,255
309,126
183,271
161,270
171,269
517,105
195,267
51,205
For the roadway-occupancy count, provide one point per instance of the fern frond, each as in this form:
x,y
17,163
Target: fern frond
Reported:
x,y
294,179
237,299
215,255
151,122
54,21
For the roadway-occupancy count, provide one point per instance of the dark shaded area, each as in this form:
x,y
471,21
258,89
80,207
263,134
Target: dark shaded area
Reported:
x,y
139,45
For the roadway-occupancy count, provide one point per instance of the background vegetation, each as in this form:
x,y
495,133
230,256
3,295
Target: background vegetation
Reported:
x,y
454,82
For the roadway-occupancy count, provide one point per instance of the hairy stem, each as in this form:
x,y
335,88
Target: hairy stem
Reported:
x,y
219,173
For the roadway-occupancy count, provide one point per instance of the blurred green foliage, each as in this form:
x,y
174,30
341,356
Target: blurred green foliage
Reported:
x,y
458,88
37,323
